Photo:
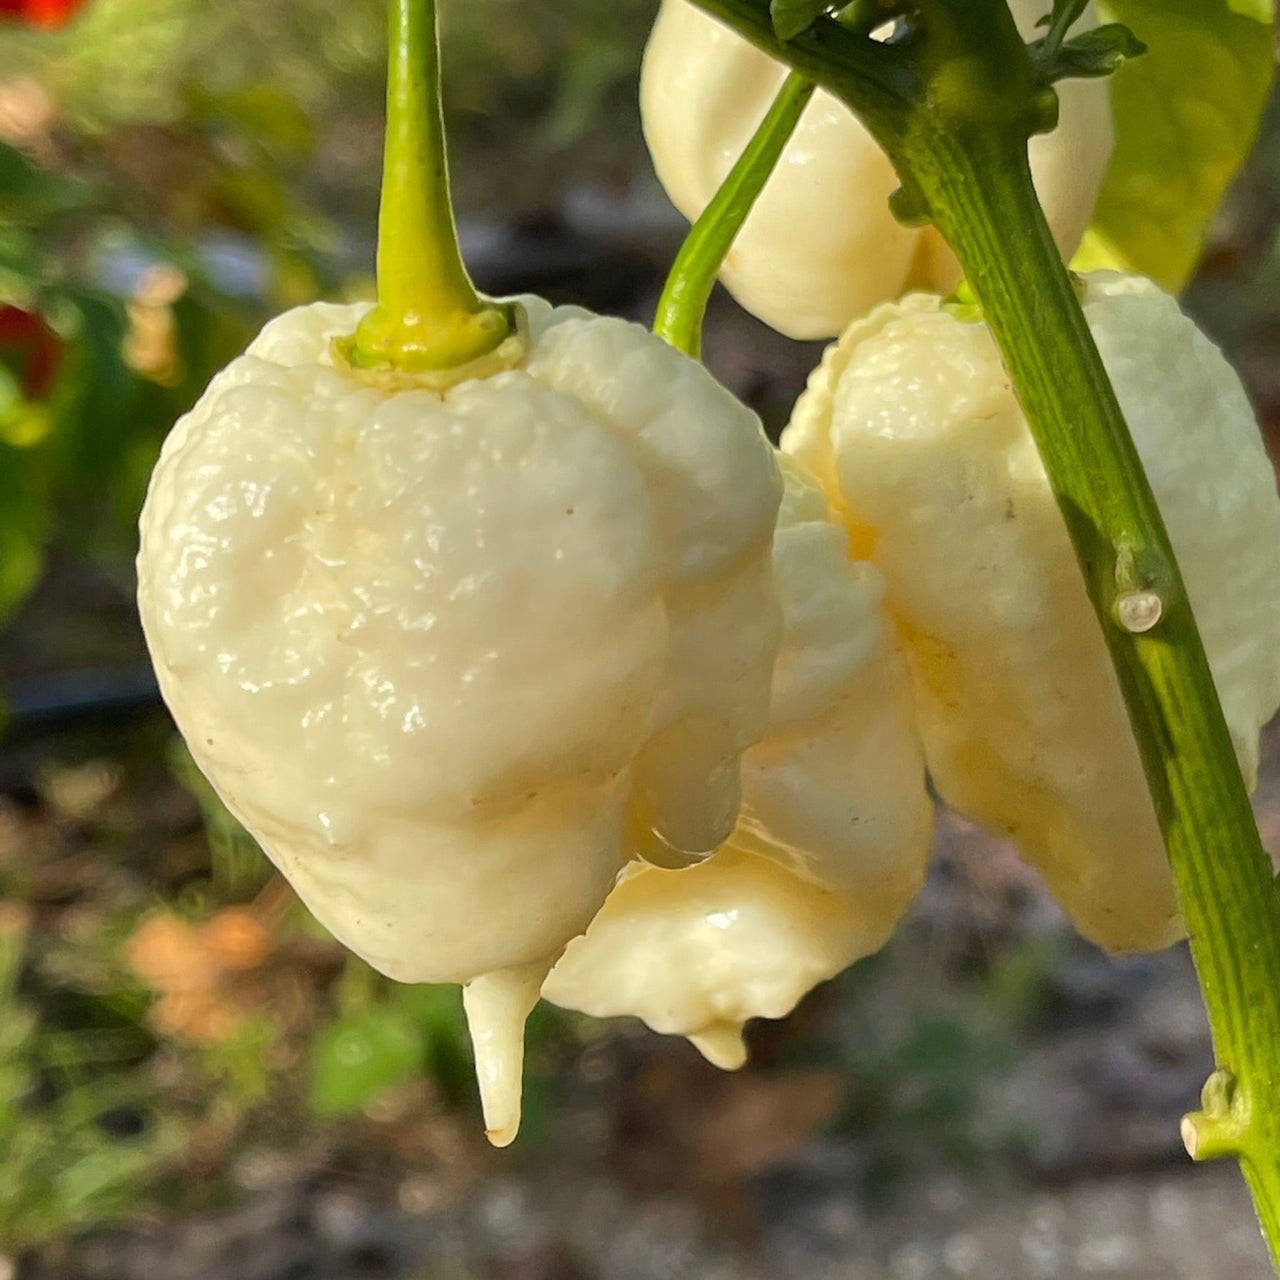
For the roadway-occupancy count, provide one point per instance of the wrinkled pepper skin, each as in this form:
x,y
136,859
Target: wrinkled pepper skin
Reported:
x,y
831,843
911,426
451,656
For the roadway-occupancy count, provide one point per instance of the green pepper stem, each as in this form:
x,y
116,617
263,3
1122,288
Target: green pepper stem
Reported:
x,y
429,316
693,274
953,107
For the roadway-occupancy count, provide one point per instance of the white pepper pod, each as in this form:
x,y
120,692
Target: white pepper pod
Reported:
x,y
821,247
446,655
834,832
912,427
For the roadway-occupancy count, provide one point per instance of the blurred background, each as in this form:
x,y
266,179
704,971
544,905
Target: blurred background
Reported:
x,y
195,1081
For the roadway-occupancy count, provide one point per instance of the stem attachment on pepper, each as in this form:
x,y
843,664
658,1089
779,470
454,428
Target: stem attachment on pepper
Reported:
x,y
693,274
429,325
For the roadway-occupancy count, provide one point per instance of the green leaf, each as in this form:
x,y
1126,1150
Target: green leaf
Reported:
x,y
1093,54
29,194
791,17
355,1058
24,519
265,113
437,1012
1185,115
1259,10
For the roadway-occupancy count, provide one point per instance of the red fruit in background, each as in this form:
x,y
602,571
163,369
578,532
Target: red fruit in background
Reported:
x,y
40,13
28,345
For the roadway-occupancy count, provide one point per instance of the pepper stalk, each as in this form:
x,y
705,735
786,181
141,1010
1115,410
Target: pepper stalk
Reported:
x,y
430,325
683,303
953,104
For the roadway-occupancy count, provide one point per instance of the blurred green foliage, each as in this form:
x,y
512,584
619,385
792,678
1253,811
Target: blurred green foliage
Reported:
x,y
383,1035
77,1133
923,1084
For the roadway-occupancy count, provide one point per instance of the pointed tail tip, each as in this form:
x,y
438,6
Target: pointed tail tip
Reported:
x,y
497,1005
503,1137
722,1045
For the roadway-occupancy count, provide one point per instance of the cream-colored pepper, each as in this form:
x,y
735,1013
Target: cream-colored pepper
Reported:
x,y
447,655
831,844
912,427
821,248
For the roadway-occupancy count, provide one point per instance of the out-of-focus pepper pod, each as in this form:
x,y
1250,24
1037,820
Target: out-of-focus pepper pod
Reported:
x,y
821,247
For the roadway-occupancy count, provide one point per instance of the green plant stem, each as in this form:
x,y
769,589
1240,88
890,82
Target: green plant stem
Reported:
x,y
429,316
693,274
966,103
1223,877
